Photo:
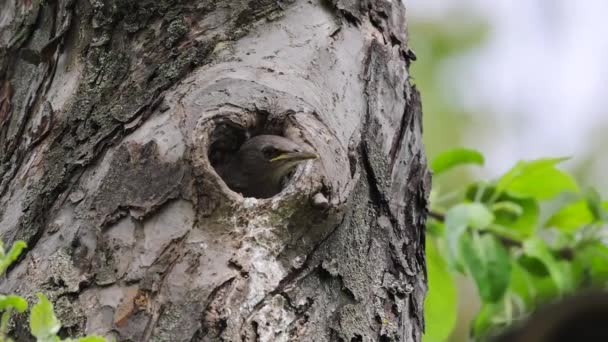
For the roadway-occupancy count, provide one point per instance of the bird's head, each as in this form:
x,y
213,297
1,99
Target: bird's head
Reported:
x,y
272,154
270,158
262,164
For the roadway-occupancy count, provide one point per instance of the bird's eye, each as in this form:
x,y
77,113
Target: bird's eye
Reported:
x,y
269,152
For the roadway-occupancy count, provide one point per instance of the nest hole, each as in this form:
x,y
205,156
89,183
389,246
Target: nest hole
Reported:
x,y
224,144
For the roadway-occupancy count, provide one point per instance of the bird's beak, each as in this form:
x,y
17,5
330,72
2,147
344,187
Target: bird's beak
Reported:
x,y
295,156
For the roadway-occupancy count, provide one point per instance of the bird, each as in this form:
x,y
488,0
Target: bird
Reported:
x,y
262,165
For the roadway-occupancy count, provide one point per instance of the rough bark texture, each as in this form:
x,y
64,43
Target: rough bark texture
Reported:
x,y
111,115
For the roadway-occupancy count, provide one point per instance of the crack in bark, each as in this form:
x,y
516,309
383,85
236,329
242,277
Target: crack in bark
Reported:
x,y
205,329
413,107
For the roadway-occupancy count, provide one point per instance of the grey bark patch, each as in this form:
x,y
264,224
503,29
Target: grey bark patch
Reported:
x,y
137,183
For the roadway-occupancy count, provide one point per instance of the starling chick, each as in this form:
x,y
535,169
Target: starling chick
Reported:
x,y
262,164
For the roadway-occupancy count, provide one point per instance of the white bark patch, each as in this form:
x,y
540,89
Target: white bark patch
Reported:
x,y
170,223
123,231
6,16
102,305
273,321
65,83
164,130
12,211
122,235
265,271
93,179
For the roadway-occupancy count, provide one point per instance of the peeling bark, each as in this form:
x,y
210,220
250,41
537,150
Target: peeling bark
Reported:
x,y
112,113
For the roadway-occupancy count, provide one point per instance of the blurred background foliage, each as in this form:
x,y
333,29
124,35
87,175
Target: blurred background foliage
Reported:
x,y
514,81
445,120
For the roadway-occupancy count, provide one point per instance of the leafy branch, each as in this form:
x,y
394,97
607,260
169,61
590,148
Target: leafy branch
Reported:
x,y
44,325
492,232
565,253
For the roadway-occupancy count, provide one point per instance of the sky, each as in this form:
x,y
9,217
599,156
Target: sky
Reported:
x,y
540,79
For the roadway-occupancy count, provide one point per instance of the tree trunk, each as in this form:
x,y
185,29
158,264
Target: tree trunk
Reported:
x,y
112,115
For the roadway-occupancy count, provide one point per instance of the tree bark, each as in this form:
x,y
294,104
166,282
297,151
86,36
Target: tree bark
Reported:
x,y
112,115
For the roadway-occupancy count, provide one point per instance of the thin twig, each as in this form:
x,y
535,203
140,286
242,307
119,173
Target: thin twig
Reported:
x,y
437,216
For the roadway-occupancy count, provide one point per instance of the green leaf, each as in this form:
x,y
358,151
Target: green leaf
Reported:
x,y
542,286
537,248
485,191
543,185
91,339
525,167
571,217
11,301
485,320
593,258
43,323
440,304
539,179
533,266
508,208
475,215
488,262
574,273
594,202
457,219
522,225
455,157
12,255
521,284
